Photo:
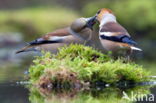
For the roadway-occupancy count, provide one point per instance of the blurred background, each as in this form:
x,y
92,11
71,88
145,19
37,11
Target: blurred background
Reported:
x,y
24,20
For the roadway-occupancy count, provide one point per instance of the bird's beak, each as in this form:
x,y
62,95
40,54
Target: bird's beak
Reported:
x,y
90,22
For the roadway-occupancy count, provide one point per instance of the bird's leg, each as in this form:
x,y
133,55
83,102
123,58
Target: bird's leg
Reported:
x,y
128,56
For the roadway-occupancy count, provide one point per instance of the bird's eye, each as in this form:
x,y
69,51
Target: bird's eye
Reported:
x,y
99,12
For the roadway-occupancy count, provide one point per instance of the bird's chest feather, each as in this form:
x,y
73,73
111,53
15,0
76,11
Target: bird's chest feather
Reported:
x,y
113,46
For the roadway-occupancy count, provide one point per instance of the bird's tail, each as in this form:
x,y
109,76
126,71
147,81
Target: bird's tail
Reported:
x,y
31,45
26,49
136,48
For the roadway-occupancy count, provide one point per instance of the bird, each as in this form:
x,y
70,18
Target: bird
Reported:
x,y
113,36
90,35
61,37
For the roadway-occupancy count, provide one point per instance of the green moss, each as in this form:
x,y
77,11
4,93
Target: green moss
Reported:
x,y
85,64
79,51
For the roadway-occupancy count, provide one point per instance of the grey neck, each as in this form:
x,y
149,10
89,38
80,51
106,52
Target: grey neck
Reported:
x,y
79,35
107,18
75,34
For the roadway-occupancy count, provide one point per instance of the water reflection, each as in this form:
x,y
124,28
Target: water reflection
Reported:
x,y
13,93
93,95
20,92
12,66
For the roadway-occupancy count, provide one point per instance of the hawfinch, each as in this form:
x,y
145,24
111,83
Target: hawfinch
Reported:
x,y
113,36
61,37
90,36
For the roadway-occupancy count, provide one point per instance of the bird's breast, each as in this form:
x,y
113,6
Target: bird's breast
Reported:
x,y
114,46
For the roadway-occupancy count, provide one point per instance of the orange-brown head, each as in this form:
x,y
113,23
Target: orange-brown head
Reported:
x,y
102,12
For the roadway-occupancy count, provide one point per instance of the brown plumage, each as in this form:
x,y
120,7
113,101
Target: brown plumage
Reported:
x,y
116,28
113,36
53,47
61,37
103,11
59,32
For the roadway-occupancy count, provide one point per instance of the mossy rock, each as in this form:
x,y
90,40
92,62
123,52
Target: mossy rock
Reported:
x,y
82,64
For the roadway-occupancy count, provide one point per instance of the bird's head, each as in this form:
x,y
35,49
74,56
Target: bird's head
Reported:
x,y
103,12
82,27
82,23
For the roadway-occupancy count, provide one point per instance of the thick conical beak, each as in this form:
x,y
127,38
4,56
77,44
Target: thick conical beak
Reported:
x,y
90,22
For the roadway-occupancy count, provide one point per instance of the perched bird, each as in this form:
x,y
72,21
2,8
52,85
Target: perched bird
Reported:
x,y
90,36
61,37
113,36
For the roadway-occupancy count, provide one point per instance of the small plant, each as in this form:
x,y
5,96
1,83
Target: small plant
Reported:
x,y
82,64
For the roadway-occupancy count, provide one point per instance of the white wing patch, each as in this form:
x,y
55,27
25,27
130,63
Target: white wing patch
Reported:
x,y
107,33
57,38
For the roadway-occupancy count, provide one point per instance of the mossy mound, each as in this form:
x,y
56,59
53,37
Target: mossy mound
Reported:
x,y
81,64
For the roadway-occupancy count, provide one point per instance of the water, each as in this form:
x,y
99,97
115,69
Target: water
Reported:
x,y
13,92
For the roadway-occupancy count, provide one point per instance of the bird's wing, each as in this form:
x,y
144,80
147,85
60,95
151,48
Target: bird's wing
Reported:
x,y
56,36
53,37
113,29
40,41
26,49
115,32
58,32
119,38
